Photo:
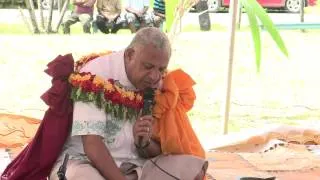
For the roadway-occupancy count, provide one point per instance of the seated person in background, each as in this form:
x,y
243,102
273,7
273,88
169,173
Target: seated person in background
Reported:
x,y
159,11
113,141
108,14
83,12
137,12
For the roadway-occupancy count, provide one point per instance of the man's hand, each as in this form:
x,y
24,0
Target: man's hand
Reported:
x,y
142,128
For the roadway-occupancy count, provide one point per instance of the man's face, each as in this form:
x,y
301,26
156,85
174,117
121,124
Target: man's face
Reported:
x,y
145,65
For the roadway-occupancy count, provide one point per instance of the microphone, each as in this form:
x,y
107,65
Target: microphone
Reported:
x,y
148,101
63,168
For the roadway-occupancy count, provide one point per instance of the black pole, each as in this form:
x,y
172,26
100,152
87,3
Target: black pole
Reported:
x,y
302,5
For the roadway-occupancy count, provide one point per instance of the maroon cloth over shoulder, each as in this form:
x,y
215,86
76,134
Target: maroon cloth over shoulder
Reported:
x,y
38,157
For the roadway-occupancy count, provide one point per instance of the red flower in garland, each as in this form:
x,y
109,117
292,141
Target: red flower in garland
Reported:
x,y
86,86
112,92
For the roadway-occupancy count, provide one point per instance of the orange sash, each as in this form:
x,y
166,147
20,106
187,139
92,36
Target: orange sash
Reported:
x,y
172,127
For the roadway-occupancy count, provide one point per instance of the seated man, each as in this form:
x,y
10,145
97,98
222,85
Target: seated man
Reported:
x,y
107,19
83,12
105,143
137,13
159,11
94,115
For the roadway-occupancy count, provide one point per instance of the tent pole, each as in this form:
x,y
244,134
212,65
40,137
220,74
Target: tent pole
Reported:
x,y
232,33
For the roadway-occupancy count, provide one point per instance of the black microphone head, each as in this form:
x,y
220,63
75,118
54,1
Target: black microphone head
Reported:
x,y
148,94
148,100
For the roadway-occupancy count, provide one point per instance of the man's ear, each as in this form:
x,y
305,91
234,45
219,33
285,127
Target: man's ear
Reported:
x,y
128,54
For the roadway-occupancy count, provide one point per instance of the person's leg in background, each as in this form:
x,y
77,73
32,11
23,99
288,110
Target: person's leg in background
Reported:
x,y
117,25
94,26
85,20
101,24
72,19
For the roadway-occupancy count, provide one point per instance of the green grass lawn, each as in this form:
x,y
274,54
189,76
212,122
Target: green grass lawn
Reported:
x,y
286,91
21,29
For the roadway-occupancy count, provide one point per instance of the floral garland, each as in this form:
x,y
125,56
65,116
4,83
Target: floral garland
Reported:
x,y
109,94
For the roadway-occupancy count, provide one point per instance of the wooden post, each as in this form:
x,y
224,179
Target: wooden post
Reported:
x,y
239,14
232,34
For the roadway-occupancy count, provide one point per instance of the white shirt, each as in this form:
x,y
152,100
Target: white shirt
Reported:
x,y
88,119
137,5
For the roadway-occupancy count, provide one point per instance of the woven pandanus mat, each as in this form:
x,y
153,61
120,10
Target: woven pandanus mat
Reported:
x,y
16,131
283,157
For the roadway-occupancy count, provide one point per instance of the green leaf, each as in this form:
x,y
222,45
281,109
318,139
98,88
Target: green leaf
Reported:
x,y
73,93
99,100
78,93
268,24
254,26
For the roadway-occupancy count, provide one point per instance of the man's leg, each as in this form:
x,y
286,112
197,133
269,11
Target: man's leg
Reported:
x,y
116,25
85,20
72,19
131,20
94,26
78,170
101,24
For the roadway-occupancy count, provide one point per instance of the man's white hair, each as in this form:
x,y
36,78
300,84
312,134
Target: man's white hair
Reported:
x,y
151,36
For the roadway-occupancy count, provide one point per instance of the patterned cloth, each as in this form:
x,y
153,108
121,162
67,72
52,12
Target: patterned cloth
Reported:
x,y
159,6
88,119
147,18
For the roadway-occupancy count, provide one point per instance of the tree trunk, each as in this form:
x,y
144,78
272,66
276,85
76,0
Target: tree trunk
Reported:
x,y
59,5
64,9
30,7
49,26
40,8
25,20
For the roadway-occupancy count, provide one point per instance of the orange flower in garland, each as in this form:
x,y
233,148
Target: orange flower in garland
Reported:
x,y
105,93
